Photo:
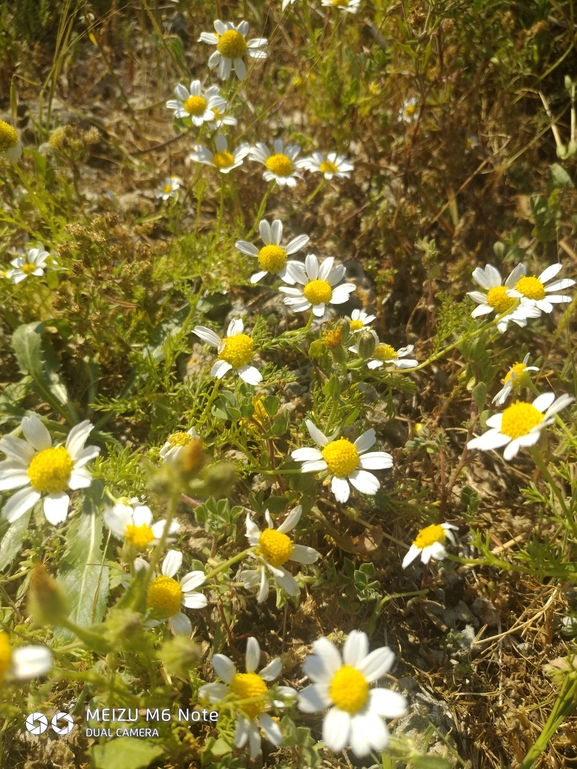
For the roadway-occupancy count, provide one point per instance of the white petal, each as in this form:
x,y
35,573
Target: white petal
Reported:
x,y
36,433
246,248
304,554
340,488
356,648
319,438
375,460
270,728
12,475
321,666
287,581
542,402
314,698
220,368
214,692
250,375
511,450
314,467
368,732
181,624
413,553
379,662
172,563
252,654
79,479
365,441
17,449
192,580
20,503
207,335
365,482
56,508
142,515
240,69
550,272
312,266
307,455
336,729
254,740
224,667
194,601
272,670
77,438
30,661
296,244
241,731
493,439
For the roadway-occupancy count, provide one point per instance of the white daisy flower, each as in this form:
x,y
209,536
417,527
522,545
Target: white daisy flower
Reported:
x,y
347,6
346,461
7,274
232,47
535,293
497,298
357,711
516,378
165,595
359,320
520,424
169,188
175,444
251,715
281,165
286,3
332,165
471,143
222,159
318,285
132,521
31,264
196,104
273,549
234,352
9,142
272,258
430,543
409,112
23,662
385,355
44,470
221,118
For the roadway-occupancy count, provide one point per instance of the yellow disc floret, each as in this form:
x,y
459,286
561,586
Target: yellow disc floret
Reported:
x,y
179,439
519,419
497,299
428,536
275,547
8,136
246,685
333,337
139,536
532,288
231,45
49,471
28,268
318,292
349,689
328,168
356,325
272,258
280,164
385,352
195,105
237,350
341,456
5,655
518,373
223,159
164,596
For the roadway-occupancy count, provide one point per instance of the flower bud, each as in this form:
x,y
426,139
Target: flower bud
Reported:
x,y
366,343
179,656
46,602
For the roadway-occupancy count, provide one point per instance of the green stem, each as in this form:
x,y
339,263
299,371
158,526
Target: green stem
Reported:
x,y
209,403
261,209
539,461
226,564
563,707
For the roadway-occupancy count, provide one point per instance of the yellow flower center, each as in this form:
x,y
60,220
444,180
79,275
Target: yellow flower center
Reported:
x,y
328,168
356,325
231,45
275,547
532,288
5,655
341,456
195,105
167,188
385,352
179,439
246,685
28,268
139,536
237,350
164,596
272,258
333,337
8,136
49,471
217,113
518,373
280,165
410,110
318,292
428,536
349,689
223,159
497,299
519,419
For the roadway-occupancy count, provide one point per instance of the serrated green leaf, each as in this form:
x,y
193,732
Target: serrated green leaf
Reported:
x,y
125,753
82,575
36,357
13,539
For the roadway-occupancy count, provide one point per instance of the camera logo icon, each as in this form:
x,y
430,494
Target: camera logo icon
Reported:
x,y
64,718
36,723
